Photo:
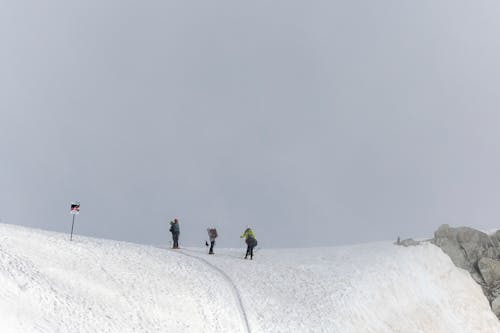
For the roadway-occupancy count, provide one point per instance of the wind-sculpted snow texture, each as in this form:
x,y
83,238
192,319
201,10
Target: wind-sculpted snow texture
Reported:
x,y
48,284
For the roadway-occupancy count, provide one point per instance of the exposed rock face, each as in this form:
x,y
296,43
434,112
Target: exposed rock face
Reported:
x,y
466,246
407,242
476,252
490,270
495,306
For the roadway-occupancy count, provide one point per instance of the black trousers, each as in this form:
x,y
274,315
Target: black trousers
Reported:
x,y
250,251
212,243
251,243
175,238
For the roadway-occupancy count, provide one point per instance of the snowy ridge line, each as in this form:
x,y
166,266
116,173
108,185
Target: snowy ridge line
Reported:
x,y
229,281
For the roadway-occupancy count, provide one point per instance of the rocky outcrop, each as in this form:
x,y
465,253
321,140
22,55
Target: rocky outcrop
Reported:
x,y
495,306
477,252
490,270
407,242
466,246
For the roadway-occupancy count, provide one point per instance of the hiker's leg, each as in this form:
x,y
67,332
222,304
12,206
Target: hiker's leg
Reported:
x,y
176,241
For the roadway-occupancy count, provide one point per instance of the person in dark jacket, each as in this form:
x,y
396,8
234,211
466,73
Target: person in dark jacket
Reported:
x,y
212,234
175,230
250,240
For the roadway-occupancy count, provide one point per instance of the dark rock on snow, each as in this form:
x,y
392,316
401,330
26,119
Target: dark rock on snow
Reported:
x,y
495,306
478,253
490,270
407,242
466,246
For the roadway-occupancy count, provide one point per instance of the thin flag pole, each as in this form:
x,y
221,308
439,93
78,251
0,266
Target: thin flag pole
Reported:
x,y
72,225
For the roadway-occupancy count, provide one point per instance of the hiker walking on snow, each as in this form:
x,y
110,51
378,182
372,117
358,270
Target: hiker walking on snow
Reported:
x,y
212,234
174,229
250,240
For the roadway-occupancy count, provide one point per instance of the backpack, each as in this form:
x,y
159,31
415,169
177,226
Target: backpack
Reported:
x,y
251,242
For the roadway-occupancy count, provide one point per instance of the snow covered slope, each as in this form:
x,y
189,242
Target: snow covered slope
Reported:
x,y
48,284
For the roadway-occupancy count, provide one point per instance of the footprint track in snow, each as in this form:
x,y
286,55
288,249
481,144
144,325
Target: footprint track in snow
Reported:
x,y
229,281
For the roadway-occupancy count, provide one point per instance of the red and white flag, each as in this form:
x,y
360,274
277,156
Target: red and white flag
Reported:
x,y
75,208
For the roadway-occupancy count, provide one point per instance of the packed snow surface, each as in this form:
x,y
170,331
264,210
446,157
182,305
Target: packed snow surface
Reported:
x,y
48,284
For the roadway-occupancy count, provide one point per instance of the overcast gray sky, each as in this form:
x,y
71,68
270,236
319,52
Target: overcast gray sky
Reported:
x,y
316,122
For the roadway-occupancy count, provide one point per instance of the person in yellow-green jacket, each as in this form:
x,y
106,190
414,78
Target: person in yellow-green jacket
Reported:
x,y
250,240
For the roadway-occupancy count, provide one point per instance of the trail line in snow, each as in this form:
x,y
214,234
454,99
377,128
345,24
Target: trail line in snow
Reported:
x,y
228,279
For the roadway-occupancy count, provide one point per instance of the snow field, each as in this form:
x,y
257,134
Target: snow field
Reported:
x,y
48,284
52,285
365,288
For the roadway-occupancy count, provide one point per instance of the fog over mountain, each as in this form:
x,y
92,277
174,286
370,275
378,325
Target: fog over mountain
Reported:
x,y
318,123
